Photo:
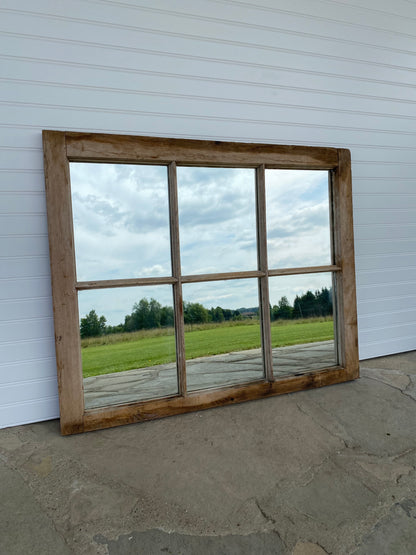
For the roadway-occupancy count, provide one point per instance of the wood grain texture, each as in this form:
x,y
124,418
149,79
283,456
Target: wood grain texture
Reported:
x,y
153,150
346,301
304,270
222,276
176,271
170,406
65,302
131,282
337,322
266,339
62,147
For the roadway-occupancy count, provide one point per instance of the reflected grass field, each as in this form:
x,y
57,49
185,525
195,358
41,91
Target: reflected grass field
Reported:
x,y
126,351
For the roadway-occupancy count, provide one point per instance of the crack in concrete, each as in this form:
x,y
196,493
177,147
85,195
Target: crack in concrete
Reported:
x,y
270,519
404,453
156,540
263,513
341,438
332,433
411,386
407,505
403,392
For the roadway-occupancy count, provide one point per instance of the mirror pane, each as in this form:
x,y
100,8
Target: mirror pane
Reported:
x,y
303,338
298,218
217,219
222,334
127,345
121,221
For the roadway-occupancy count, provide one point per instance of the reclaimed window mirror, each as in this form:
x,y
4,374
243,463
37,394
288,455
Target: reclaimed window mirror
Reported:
x,y
191,274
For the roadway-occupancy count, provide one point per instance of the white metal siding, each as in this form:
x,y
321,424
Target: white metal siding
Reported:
x,y
312,72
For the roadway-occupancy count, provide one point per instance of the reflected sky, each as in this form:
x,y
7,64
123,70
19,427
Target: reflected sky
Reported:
x,y
121,228
298,228
226,294
217,219
121,221
290,286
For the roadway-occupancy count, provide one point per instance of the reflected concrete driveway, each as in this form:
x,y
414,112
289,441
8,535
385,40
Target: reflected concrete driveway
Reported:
x,y
203,373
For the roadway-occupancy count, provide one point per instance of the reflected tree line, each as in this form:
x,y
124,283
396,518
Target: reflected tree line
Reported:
x,y
150,314
308,305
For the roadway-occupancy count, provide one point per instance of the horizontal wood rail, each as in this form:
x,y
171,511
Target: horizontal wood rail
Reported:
x,y
305,270
200,400
109,283
198,278
97,147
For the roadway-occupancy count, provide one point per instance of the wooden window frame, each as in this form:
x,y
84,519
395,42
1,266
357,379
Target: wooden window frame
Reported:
x,y
61,148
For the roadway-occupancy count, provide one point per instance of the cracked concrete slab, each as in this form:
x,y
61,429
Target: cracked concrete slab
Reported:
x,y
330,496
331,470
24,525
395,533
308,548
403,362
377,417
155,542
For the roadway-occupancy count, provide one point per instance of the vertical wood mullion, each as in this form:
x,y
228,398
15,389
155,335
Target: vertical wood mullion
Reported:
x,y
338,277
263,266
176,272
339,356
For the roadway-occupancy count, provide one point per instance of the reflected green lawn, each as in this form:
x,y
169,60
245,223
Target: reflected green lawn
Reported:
x,y
153,347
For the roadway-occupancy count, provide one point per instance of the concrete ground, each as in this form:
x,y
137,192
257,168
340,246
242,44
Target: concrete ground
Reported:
x,y
331,470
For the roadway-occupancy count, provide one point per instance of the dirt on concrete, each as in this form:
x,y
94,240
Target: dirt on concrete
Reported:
x,y
331,470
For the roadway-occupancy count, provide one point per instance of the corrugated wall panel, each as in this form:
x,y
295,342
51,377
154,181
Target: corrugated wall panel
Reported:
x,y
44,97
396,318
42,368
22,350
384,231
390,275
22,412
33,328
370,309
314,72
14,393
24,308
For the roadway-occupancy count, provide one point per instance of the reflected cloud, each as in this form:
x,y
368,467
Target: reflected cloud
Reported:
x,y
217,216
298,226
121,220
121,223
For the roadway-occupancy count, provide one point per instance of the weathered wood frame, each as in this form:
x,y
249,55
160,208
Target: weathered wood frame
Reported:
x,y
61,148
